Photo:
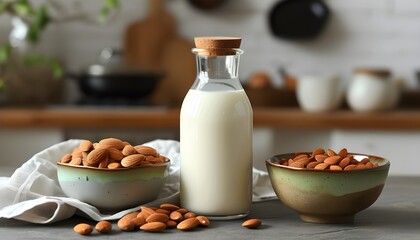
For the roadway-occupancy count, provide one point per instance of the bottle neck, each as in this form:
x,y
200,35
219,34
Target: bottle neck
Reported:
x,y
217,73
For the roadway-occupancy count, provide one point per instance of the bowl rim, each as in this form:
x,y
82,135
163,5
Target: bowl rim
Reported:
x,y
385,163
166,163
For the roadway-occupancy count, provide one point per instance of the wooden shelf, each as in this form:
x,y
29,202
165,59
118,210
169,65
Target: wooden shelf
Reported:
x,y
161,118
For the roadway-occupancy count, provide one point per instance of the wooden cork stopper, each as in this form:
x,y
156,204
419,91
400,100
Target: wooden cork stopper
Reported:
x,y
217,46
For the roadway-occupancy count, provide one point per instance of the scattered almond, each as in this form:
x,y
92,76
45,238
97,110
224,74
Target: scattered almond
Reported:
x,y
157,221
203,221
83,229
103,227
153,227
188,224
125,223
157,217
170,207
252,223
176,216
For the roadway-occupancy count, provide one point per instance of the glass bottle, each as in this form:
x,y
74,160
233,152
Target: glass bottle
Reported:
x,y
216,134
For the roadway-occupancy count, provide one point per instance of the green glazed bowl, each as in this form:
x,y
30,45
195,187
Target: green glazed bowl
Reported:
x,y
326,196
113,189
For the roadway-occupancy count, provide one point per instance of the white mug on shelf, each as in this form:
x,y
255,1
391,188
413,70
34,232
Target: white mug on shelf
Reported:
x,y
319,93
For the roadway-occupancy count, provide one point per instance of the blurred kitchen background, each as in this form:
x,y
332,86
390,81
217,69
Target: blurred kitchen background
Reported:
x,y
381,34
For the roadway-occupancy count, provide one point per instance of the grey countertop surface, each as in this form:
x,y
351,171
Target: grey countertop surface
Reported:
x,y
395,215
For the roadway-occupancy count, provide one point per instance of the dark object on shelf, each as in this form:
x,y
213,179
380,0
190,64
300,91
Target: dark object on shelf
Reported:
x,y
112,80
207,4
98,82
298,19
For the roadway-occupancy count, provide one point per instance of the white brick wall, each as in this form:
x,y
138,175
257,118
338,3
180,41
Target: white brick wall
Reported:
x,y
360,33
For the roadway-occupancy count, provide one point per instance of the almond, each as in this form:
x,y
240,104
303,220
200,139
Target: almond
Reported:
x,y
83,229
331,153
369,165
111,143
146,150
104,163
96,156
171,224
203,221
333,160
146,212
321,166
317,151
188,224
125,223
364,160
350,167
77,154
170,207
128,150
86,145
335,168
153,227
164,211
114,165
138,221
343,153
132,160
76,161
320,157
251,223
157,217
66,158
344,162
176,216
115,154
182,211
103,227
152,159
312,164
189,215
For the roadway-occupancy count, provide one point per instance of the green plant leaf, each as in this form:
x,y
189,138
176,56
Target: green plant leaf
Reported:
x,y
42,17
22,8
57,70
111,4
41,20
103,14
2,85
4,53
3,7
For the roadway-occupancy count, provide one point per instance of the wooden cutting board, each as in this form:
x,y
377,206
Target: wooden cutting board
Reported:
x,y
178,64
152,43
144,39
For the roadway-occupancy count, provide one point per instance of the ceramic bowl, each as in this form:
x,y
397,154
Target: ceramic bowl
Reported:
x,y
113,189
326,196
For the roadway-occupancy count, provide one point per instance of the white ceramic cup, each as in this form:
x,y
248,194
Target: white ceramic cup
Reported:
x,y
319,93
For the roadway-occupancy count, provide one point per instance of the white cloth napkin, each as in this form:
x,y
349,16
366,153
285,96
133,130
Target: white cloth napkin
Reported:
x,y
33,193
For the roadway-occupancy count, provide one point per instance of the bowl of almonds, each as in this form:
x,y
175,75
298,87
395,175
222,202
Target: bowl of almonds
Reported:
x,y
112,175
327,187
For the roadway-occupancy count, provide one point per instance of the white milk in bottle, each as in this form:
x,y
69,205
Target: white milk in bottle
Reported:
x,y
216,134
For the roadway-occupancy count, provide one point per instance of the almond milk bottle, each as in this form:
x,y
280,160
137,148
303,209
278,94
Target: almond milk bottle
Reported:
x,y
216,134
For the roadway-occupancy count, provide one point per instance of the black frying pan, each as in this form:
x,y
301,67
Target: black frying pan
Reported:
x,y
97,82
298,19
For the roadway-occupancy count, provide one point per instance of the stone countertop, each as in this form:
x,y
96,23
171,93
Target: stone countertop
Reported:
x,y
395,215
